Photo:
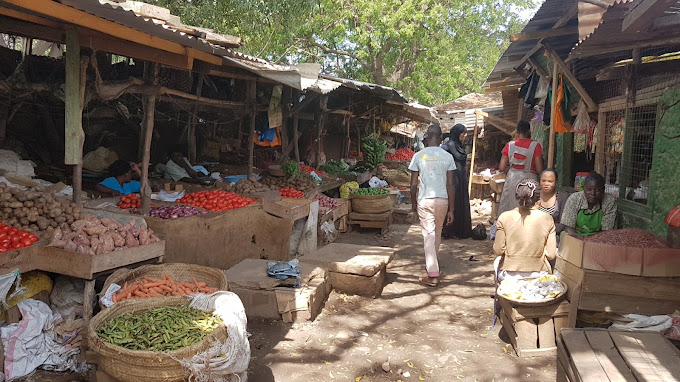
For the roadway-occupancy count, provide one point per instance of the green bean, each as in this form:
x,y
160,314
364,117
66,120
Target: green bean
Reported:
x,y
159,329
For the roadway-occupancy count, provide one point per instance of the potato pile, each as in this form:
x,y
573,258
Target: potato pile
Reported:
x,y
95,236
35,210
302,182
245,186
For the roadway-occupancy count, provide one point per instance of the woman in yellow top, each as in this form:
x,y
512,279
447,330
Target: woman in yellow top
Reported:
x,y
525,240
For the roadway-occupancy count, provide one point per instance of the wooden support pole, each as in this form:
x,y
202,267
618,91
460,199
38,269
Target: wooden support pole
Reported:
x,y
285,102
296,137
321,122
251,93
75,94
600,144
551,144
191,131
149,110
349,137
474,153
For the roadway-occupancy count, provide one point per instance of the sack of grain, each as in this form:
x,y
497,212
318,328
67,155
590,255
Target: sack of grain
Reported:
x,y
99,160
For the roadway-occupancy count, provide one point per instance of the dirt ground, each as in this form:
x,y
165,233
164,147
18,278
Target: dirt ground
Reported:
x,y
418,333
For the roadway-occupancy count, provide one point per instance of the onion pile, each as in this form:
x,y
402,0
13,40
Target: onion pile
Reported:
x,y
628,237
325,201
173,212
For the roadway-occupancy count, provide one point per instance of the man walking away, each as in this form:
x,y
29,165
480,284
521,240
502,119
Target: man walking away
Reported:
x,y
433,179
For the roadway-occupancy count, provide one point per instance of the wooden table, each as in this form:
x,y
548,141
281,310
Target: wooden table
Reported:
x,y
611,355
618,293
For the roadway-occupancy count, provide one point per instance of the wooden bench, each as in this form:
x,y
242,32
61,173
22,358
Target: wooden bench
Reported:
x,y
612,355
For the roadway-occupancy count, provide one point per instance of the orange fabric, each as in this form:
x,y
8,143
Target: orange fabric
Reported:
x,y
274,143
561,124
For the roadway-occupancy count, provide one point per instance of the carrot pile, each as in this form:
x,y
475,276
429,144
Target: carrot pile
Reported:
x,y
163,287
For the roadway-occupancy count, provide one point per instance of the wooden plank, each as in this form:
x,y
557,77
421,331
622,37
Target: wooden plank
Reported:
x,y
641,17
592,106
564,359
510,331
574,306
662,288
527,334
369,224
568,269
648,355
546,333
584,361
560,322
625,305
518,312
502,124
149,110
608,356
544,33
73,119
371,217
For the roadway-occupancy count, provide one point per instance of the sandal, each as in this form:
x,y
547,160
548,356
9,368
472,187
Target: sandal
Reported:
x,y
430,281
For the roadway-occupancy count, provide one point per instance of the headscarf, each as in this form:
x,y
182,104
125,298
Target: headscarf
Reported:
x,y
454,145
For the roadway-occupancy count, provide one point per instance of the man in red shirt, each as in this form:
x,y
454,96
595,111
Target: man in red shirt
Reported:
x,y
522,158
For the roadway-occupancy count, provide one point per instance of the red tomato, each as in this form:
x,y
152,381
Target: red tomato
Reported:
x,y
26,242
15,239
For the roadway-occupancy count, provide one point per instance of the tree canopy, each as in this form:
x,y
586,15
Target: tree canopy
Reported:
x,y
432,50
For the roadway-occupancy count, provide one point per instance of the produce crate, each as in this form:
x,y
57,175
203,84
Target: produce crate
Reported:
x,y
532,329
337,212
270,298
288,208
85,266
382,221
613,355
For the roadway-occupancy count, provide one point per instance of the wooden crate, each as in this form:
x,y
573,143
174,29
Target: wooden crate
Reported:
x,y
382,221
289,208
337,212
85,266
612,355
532,330
617,293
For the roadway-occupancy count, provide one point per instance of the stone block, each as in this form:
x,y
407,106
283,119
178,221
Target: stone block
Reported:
x,y
350,258
369,286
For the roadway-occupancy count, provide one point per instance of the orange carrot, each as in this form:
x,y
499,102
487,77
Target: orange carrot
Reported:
x,y
202,285
140,294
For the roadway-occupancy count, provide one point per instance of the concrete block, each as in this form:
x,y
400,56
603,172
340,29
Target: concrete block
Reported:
x,y
350,258
369,286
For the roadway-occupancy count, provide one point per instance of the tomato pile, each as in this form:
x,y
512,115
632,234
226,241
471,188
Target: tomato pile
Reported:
x,y
216,200
308,170
289,192
12,238
354,154
404,154
130,201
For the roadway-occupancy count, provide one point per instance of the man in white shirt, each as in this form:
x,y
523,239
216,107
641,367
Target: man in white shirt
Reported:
x,y
433,181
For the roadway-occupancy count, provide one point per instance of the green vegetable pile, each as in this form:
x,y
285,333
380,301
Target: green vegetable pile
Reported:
x,y
159,329
291,168
374,151
337,167
371,191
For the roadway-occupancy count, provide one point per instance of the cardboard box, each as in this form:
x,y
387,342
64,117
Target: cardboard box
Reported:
x,y
635,261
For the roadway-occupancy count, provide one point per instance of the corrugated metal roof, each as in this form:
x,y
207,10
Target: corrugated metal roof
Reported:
x,y
384,92
301,76
608,34
503,74
472,101
128,18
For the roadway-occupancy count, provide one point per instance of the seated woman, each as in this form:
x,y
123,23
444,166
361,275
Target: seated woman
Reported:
x,y
552,202
120,180
590,211
525,237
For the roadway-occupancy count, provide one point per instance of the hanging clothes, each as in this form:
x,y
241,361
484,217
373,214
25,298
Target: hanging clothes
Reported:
x,y
528,90
562,124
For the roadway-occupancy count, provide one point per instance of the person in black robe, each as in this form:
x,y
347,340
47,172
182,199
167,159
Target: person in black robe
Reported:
x,y
462,220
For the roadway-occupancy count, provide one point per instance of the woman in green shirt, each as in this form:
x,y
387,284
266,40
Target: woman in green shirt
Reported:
x,y
590,211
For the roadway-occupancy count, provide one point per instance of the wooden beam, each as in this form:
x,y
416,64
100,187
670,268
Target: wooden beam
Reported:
x,y
74,16
149,110
644,13
502,124
251,94
474,153
597,50
73,121
619,71
544,33
600,144
592,106
670,21
599,3
553,112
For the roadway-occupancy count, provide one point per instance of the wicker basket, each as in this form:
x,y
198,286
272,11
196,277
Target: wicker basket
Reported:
x,y
138,365
214,278
371,204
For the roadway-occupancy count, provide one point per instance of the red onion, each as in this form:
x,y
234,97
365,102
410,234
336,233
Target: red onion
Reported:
x,y
172,212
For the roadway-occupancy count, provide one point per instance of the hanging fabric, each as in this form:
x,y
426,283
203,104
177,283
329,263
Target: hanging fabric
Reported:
x,y
562,125
528,91
268,138
275,110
